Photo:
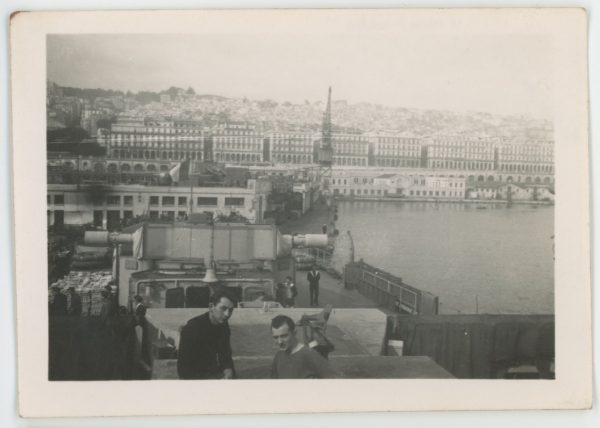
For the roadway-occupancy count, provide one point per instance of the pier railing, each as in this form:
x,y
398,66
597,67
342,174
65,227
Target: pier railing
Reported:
x,y
388,290
322,257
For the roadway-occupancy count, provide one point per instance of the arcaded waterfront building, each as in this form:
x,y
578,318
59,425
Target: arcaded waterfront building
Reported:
x,y
237,142
459,153
291,147
526,157
393,150
350,149
155,139
69,166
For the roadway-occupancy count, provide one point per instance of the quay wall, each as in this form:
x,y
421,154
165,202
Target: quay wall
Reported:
x,y
441,200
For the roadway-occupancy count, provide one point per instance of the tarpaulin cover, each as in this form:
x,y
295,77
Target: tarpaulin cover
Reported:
x,y
476,346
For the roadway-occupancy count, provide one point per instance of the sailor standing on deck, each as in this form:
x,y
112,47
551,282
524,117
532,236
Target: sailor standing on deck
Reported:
x,y
313,278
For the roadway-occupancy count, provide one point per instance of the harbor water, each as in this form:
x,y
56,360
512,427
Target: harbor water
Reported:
x,y
490,259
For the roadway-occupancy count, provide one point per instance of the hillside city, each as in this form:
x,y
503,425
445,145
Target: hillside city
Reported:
x,y
67,106
260,161
158,199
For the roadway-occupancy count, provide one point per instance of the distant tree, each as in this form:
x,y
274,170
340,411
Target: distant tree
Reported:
x,y
190,91
145,97
105,123
172,91
71,135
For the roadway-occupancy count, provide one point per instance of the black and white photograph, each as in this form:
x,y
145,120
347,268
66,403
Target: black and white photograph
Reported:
x,y
363,203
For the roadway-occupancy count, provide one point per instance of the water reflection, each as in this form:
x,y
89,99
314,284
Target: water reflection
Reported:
x,y
498,255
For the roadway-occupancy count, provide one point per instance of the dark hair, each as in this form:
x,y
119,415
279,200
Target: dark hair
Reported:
x,y
223,292
138,298
280,320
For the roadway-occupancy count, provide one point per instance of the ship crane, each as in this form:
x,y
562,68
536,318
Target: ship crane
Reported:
x,y
325,152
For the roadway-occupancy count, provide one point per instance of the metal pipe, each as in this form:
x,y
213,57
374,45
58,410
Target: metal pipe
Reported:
x,y
287,242
104,237
309,241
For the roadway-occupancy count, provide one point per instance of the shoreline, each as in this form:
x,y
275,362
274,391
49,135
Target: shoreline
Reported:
x,y
436,200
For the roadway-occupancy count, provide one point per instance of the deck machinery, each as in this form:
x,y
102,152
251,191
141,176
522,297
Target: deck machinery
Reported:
x,y
175,268
178,265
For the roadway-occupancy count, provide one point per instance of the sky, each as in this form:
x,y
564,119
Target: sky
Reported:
x,y
501,74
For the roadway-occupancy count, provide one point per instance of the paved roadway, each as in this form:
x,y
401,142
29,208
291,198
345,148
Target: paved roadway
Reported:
x,y
331,291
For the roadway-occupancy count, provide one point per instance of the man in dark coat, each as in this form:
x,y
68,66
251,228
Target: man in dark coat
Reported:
x,y
74,303
139,308
204,348
57,303
313,278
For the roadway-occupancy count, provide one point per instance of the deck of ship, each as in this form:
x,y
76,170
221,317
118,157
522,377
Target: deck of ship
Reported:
x,y
357,334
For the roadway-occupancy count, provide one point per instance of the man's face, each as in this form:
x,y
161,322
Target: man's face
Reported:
x,y
222,311
284,338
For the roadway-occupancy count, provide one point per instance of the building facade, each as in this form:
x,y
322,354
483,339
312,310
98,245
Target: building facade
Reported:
x,y
415,183
460,153
144,138
237,143
110,165
389,150
291,147
110,206
350,149
526,157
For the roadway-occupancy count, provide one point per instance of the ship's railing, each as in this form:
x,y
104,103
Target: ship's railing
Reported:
x,y
324,260
389,290
322,257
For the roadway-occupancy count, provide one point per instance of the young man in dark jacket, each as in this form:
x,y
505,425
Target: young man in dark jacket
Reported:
x,y
204,348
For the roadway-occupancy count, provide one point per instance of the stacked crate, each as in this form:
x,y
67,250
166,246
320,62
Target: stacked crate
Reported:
x,y
89,286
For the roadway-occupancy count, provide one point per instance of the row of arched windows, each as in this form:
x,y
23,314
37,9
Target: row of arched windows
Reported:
x,y
548,169
293,158
154,154
398,162
237,157
349,161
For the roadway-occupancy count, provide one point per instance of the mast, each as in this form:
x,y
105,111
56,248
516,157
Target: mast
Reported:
x,y
326,129
325,152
